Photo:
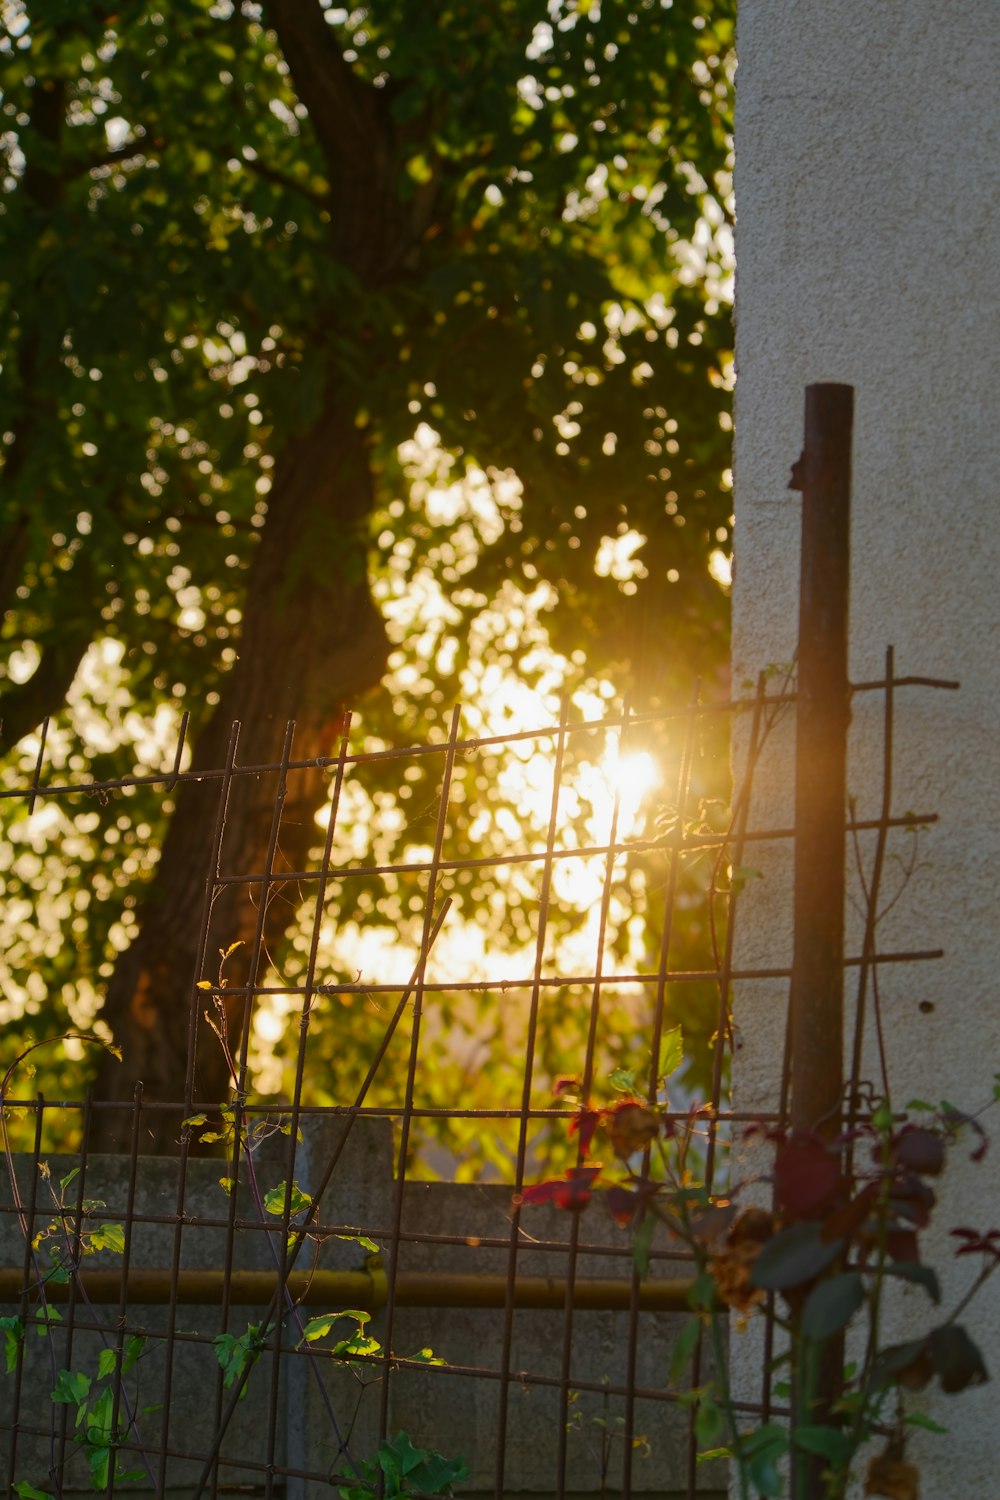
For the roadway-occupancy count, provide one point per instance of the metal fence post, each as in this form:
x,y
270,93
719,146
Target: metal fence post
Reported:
x,y
816,1004
823,474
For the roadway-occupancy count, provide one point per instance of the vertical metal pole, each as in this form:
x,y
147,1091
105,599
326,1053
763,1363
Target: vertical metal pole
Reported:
x,y
823,474
816,1010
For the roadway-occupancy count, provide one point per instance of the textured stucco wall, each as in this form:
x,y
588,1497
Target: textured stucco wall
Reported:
x,y
867,204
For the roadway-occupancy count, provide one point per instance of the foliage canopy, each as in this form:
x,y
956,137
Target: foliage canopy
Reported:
x,y
249,252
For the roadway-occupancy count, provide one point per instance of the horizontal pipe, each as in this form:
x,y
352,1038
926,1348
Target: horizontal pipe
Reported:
x,y
357,1289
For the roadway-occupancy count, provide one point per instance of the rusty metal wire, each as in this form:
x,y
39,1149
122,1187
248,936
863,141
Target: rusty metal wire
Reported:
x,y
176,1265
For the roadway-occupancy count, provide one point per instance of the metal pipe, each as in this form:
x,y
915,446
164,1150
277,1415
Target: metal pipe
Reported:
x,y
823,709
823,474
361,1289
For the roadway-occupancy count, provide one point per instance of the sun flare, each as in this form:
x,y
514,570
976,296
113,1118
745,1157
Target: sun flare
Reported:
x,y
631,776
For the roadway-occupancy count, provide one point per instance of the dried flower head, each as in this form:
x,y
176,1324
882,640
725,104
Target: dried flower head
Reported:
x,y
731,1266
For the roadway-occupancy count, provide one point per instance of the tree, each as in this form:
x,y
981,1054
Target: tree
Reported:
x,y
265,242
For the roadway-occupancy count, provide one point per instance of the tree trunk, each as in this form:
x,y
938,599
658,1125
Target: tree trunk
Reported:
x,y
311,640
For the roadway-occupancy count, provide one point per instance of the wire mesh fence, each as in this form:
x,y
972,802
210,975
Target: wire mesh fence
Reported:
x,y
383,1255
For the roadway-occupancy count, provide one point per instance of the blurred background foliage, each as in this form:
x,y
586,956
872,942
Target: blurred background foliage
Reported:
x,y
499,234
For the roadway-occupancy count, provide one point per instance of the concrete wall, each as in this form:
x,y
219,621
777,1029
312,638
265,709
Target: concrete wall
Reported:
x,y
438,1407
867,207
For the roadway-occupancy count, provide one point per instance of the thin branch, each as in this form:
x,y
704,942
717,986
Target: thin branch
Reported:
x,y
282,179
129,151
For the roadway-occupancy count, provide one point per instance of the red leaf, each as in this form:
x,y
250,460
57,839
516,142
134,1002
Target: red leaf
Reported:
x,y
571,1191
807,1177
574,1193
585,1124
919,1150
625,1202
844,1223
903,1246
538,1192
977,1243
910,1198
622,1205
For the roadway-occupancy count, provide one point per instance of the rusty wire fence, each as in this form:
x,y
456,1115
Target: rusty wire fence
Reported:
x,y
301,1283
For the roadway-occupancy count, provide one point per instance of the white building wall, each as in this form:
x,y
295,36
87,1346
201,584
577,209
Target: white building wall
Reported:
x,y
867,149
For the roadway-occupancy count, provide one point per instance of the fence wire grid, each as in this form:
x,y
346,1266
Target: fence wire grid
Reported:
x,y
340,1253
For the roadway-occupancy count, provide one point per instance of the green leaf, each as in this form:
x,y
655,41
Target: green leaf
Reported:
x,y
702,1293
106,1362
275,1200
671,1051
108,1237
44,1315
760,1452
415,1471
832,1304
794,1256
642,1244
426,1356
764,1476
362,1240
135,1344
64,1182
319,1326
708,1421
13,1340
28,1492
956,1358
72,1387
357,1346
769,1437
907,1364
622,1080
925,1276
437,1475
236,1351
826,1442
920,1419
99,1464
683,1351
99,1417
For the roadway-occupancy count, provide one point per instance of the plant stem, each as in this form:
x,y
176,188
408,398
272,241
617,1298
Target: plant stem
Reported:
x,y
726,1401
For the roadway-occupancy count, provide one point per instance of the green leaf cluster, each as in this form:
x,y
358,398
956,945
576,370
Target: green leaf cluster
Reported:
x,y
400,1469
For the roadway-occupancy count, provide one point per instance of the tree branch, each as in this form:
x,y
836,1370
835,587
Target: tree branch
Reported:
x,y
281,179
340,106
24,705
127,152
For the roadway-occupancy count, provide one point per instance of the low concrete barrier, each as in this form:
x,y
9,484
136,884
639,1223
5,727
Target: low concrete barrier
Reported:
x,y
453,1241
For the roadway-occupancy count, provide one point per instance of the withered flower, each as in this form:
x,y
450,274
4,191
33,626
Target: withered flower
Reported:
x,y
731,1266
631,1126
892,1478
